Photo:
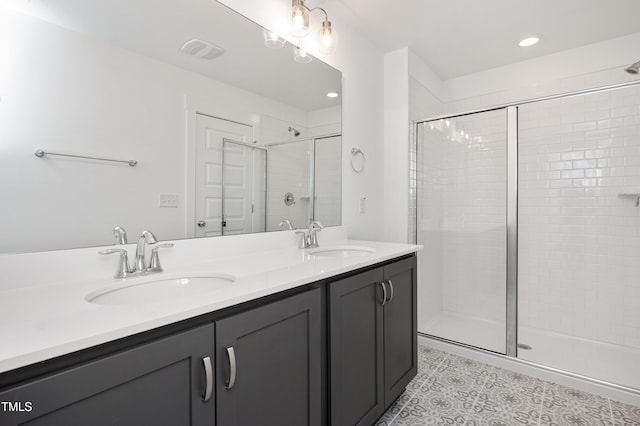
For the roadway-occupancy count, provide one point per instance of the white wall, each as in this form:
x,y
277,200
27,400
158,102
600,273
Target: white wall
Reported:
x,y
362,110
396,145
328,186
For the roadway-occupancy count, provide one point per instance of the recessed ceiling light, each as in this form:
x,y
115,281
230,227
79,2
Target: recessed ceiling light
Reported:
x,y
332,95
529,41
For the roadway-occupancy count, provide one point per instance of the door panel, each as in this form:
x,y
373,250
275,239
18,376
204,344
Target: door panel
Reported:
x,y
209,170
277,354
356,355
238,188
400,328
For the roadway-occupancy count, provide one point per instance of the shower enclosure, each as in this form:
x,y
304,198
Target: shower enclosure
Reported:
x,y
530,219
304,182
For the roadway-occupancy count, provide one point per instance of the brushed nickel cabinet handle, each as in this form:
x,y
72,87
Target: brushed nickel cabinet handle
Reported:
x,y
232,368
384,293
390,290
208,371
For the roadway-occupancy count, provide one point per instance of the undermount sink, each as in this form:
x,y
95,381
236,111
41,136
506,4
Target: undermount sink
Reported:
x,y
157,289
340,251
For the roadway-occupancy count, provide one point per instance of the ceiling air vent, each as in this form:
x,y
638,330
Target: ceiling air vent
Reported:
x,y
202,49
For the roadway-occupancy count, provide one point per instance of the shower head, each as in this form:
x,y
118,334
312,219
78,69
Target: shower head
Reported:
x,y
633,69
295,131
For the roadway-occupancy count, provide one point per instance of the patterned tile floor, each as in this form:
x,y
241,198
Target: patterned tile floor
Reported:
x,y
451,390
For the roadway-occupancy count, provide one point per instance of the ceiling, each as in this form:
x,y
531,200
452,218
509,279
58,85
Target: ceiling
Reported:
x,y
459,37
159,28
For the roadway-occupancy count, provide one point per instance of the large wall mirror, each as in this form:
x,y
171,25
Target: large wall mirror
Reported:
x,y
230,132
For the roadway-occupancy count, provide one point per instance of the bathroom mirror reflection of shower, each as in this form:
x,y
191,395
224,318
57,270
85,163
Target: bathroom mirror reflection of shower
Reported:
x,y
311,171
242,186
120,85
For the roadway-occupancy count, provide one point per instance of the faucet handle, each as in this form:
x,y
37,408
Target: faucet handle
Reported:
x,y
304,237
120,235
123,264
154,263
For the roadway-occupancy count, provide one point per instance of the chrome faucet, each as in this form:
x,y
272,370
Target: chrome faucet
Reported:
x,y
140,264
309,238
286,222
146,237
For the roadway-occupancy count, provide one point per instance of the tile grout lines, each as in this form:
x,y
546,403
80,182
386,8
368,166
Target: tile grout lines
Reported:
x,y
544,392
470,411
419,389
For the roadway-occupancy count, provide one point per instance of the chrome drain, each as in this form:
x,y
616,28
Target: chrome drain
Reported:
x,y
525,347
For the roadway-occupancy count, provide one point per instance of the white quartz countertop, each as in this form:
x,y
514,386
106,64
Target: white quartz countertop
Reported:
x,y
42,321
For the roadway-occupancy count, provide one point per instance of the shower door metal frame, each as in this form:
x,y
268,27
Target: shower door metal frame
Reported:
x,y
511,214
512,232
512,220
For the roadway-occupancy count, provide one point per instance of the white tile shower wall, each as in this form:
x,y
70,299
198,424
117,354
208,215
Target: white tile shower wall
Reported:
x,y
579,239
288,170
462,211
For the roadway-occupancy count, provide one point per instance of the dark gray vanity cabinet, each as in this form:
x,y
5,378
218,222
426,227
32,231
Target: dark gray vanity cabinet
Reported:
x,y
373,341
269,364
158,383
400,328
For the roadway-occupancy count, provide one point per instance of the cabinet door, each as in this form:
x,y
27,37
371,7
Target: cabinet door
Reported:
x,y
356,354
269,364
400,328
159,383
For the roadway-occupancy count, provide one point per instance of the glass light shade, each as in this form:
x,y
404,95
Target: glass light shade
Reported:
x,y
301,56
328,38
299,19
272,40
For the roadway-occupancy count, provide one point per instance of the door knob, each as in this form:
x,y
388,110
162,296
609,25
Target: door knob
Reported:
x,y
201,223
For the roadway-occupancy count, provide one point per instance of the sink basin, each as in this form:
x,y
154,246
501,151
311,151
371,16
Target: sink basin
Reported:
x,y
341,251
159,289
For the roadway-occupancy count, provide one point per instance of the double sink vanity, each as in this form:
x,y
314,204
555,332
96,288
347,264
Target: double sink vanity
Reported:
x,y
244,330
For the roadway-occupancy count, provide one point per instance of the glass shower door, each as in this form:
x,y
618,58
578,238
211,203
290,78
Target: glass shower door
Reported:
x,y
462,224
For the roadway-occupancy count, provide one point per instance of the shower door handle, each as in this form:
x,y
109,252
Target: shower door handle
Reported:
x,y
384,293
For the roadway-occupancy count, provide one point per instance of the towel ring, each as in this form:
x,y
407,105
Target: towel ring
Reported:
x,y
356,153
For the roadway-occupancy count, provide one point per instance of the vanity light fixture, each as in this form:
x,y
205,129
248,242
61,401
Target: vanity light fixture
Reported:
x,y
300,26
272,40
529,41
301,56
